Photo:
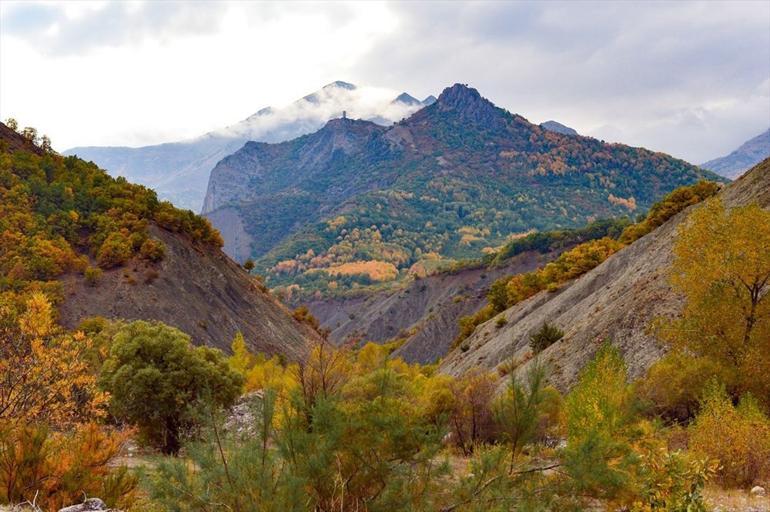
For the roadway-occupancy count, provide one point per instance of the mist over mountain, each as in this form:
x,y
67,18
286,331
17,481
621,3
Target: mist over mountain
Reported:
x,y
739,161
179,171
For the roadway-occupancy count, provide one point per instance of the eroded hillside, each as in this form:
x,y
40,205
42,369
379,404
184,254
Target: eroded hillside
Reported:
x,y
616,301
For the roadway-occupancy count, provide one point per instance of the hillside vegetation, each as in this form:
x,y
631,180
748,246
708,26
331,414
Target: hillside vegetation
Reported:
x,y
456,179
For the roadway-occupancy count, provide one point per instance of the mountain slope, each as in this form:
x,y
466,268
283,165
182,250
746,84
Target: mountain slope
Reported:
x,y
456,177
179,171
98,246
557,127
615,301
747,155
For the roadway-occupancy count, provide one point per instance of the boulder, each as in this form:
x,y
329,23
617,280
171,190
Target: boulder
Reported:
x,y
89,504
757,491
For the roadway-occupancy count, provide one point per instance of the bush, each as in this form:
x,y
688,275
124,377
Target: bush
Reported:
x,y
55,469
547,335
153,250
673,386
739,437
501,322
155,378
302,314
114,251
92,275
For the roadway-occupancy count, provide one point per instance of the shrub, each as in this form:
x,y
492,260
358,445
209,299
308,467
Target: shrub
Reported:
x,y
55,469
153,250
302,314
673,386
547,335
248,265
501,322
739,437
471,418
114,251
155,377
601,428
92,275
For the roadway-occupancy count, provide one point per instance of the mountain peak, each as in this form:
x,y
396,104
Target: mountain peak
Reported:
x,y
430,100
406,99
555,126
339,84
459,95
466,103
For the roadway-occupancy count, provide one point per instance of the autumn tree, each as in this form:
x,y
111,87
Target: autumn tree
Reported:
x,y
12,123
45,144
30,134
722,267
44,374
155,378
471,420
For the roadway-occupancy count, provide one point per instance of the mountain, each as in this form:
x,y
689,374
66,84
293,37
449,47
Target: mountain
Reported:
x,y
558,128
98,246
356,203
179,171
736,163
615,301
430,100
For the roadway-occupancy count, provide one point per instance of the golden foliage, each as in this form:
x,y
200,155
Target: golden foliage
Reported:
x,y
376,270
722,266
739,437
45,372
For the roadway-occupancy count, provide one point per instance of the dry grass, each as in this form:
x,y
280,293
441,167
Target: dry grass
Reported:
x,y
735,500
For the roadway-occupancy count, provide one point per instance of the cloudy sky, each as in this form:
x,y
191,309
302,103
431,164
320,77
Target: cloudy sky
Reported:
x,y
688,78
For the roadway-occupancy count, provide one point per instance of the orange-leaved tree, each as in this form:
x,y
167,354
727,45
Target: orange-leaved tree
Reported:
x,y
44,371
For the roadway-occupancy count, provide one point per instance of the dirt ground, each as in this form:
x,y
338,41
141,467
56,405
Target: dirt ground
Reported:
x,y
735,500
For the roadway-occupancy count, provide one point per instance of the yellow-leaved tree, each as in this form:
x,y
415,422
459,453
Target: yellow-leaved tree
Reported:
x,y
722,267
44,371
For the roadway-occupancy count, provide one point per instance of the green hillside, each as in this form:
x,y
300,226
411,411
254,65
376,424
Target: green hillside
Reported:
x,y
355,203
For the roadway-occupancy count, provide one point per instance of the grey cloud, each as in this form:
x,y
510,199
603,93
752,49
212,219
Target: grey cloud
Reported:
x,y
116,24
644,68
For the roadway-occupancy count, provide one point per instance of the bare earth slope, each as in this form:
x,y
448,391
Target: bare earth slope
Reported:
x,y
616,301
425,313
200,291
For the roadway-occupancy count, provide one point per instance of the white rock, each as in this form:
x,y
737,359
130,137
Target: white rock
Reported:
x,y
89,504
757,491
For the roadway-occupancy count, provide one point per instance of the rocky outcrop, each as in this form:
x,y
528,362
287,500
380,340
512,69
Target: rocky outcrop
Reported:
x,y
198,290
615,301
